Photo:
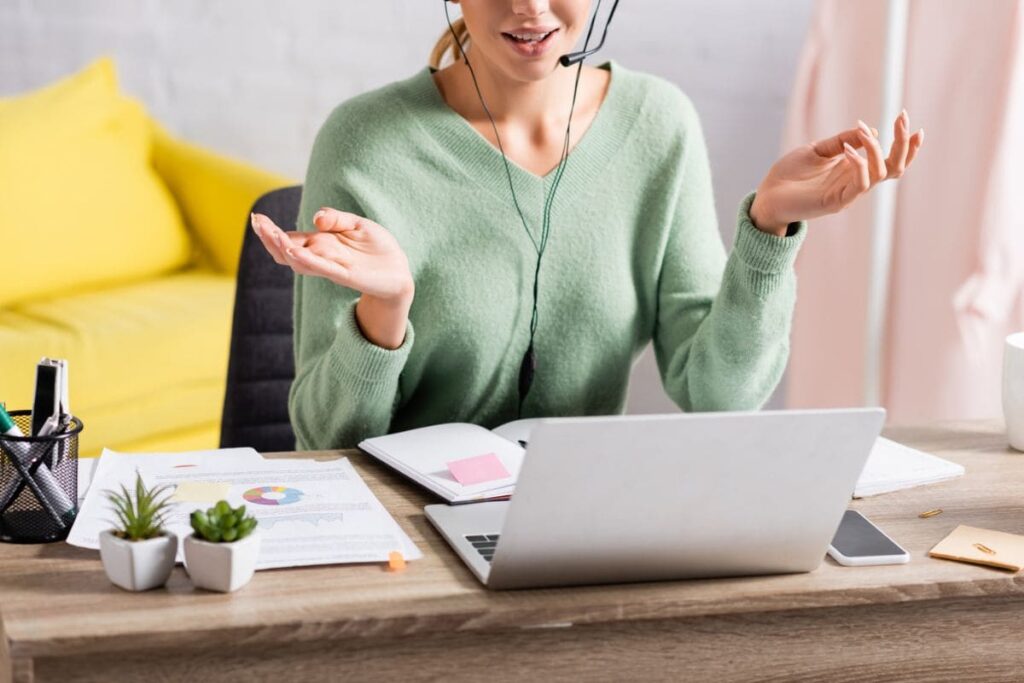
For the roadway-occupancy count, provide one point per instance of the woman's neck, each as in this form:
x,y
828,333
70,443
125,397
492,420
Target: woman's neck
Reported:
x,y
538,107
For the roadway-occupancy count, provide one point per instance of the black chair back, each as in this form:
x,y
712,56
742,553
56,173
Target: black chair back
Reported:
x,y
261,365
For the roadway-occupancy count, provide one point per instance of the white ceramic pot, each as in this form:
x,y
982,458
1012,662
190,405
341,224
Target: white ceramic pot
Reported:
x,y
138,565
223,567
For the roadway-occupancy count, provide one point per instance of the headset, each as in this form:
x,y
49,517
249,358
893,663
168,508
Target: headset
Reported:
x,y
528,366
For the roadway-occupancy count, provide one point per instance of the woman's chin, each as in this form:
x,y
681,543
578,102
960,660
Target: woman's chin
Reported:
x,y
532,69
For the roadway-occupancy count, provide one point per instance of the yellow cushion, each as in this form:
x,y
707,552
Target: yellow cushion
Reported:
x,y
146,360
82,205
214,193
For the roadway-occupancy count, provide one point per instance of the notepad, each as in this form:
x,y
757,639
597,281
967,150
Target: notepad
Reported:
x,y
982,546
200,492
893,466
479,469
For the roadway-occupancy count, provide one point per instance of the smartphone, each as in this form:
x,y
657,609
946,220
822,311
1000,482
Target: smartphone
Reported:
x,y
858,542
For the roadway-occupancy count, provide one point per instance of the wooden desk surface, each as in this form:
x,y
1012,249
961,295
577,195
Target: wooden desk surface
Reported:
x,y
56,601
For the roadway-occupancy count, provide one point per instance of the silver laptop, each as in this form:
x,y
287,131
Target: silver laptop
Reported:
x,y
655,497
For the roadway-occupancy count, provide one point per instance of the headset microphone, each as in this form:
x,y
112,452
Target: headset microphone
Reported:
x,y
576,57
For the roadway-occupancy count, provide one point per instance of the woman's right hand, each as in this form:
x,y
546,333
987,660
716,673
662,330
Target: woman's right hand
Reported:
x,y
354,252
346,249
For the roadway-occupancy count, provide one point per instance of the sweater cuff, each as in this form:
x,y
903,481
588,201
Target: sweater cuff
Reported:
x,y
356,356
763,252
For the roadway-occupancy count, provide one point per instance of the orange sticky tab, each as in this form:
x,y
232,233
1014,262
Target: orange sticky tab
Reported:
x,y
395,561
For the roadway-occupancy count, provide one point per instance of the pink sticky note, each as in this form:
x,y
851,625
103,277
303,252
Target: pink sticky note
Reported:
x,y
478,469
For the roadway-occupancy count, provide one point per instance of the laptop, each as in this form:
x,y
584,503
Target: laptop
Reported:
x,y
660,497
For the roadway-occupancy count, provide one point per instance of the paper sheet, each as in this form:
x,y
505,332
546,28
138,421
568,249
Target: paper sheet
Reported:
x,y
309,512
893,466
86,466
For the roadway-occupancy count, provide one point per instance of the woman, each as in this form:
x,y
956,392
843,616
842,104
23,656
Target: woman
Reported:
x,y
422,231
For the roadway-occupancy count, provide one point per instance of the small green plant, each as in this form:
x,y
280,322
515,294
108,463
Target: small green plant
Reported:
x,y
222,523
143,515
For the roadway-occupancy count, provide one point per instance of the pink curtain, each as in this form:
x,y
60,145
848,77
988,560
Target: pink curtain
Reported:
x,y
957,277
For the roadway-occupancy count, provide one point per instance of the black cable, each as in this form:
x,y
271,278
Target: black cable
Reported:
x,y
494,126
546,224
529,363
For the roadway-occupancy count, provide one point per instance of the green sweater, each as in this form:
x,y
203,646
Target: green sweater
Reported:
x,y
634,255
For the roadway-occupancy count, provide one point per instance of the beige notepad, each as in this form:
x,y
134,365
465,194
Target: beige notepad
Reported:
x,y
200,492
982,546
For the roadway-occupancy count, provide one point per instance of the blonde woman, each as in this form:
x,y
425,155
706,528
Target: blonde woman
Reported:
x,y
440,279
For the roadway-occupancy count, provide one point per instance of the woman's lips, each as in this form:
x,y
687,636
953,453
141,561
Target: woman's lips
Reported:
x,y
533,48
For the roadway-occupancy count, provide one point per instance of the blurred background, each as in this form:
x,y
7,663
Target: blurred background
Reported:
x,y
252,80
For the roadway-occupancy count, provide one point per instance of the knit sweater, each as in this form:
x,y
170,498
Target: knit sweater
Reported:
x,y
634,256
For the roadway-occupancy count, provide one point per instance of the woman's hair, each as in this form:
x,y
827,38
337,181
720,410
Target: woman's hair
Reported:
x,y
446,44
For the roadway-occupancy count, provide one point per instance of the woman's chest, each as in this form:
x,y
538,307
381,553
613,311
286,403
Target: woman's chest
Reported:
x,y
477,280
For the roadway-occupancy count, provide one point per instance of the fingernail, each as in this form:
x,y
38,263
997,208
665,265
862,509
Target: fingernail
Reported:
x,y
252,221
318,215
290,252
864,127
849,148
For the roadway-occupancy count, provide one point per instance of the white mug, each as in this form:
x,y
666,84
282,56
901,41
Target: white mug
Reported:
x,y
1013,389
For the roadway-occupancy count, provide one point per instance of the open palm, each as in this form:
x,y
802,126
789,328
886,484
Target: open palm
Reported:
x,y
827,176
346,249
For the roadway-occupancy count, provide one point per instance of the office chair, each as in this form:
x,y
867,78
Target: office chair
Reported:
x,y
261,365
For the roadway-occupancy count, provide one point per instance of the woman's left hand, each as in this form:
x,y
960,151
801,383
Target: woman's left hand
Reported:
x,y
825,177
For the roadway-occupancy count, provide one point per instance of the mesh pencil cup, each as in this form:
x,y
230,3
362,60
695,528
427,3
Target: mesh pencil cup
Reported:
x,y
38,482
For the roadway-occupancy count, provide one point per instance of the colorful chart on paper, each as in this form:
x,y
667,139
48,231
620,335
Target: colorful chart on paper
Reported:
x,y
272,495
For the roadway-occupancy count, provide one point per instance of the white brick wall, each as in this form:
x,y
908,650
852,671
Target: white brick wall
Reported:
x,y
255,78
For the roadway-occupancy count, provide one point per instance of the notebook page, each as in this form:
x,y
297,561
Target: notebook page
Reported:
x,y
893,466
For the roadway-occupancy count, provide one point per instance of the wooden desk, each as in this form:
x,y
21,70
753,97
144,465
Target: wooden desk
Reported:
x,y
927,620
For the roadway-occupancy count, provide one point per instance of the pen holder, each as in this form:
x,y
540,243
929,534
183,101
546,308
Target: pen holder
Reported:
x,y
38,482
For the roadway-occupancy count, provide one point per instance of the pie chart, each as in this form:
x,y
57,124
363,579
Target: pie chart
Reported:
x,y
272,495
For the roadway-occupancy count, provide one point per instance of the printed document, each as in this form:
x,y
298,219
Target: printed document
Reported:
x,y
309,512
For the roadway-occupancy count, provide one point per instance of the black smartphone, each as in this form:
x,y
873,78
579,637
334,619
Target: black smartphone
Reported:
x,y
858,542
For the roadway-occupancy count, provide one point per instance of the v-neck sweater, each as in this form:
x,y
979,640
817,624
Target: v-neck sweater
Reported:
x,y
634,256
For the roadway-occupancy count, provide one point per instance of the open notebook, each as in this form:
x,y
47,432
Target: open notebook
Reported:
x,y
465,463
893,466
460,462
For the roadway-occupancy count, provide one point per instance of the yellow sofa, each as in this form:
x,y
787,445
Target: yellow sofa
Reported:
x,y
147,355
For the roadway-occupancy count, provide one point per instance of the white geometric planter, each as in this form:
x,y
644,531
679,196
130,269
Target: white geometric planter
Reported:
x,y
222,567
138,565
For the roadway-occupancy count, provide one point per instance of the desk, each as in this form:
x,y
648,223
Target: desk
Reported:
x,y
927,620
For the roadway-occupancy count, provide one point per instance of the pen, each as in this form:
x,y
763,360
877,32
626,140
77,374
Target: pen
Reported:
x,y
52,424
42,483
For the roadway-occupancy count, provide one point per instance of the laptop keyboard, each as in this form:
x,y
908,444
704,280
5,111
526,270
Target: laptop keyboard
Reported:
x,y
484,544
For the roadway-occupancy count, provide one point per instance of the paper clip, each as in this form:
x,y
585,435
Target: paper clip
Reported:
x,y
930,513
984,549
396,562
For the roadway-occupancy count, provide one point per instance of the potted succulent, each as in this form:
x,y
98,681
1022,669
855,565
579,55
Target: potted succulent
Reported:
x,y
221,553
139,553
